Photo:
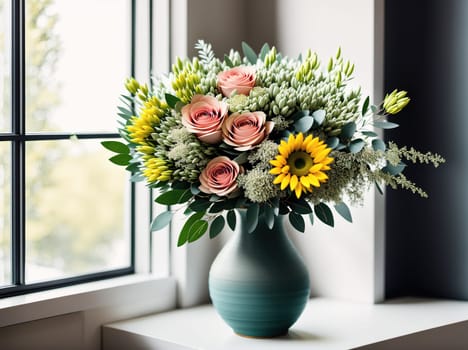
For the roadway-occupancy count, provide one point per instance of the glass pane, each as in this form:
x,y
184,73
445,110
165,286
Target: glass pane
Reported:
x,y
5,213
5,65
77,58
77,210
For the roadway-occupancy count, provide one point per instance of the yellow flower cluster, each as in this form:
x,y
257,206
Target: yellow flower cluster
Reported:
x,y
301,163
156,169
142,127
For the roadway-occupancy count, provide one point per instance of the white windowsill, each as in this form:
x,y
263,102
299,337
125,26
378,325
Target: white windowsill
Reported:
x,y
80,297
326,324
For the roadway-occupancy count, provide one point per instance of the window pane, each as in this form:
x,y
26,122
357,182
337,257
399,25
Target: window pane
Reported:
x,y
77,210
5,213
77,58
5,66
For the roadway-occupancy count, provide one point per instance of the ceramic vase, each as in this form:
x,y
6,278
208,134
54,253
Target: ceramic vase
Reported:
x,y
259,283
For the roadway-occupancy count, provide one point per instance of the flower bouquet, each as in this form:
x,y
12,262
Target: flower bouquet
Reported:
x,y
274,135
269,137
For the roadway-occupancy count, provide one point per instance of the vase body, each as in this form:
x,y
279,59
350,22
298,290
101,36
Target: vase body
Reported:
x,y
259,283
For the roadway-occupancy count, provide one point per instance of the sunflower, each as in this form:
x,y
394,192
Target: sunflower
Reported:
x,y
301,163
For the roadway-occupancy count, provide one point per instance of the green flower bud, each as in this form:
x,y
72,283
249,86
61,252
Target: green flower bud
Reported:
x,y
395,101
132,85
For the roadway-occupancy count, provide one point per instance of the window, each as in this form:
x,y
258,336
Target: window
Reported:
x,y
65,211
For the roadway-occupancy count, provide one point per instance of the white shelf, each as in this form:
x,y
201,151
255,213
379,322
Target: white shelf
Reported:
x,y
325,324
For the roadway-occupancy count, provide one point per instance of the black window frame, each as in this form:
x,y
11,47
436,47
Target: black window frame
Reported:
x,y
18,137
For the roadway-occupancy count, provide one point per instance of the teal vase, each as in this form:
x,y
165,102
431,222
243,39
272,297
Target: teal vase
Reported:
x,y
259,283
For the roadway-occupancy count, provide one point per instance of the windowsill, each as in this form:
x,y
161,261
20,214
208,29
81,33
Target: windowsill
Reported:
x,y
325,324
80,297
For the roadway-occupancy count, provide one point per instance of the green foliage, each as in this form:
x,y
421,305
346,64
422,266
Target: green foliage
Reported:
x,y
231,219
297,221
193,227
217,226
116,147
171,100
174,197
342,209
249,53
323,212
161,221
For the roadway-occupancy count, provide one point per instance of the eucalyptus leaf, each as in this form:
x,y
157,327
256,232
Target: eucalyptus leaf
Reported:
x,y
161,221
394,169
365,106
252,217
171,100
324,213
116,147
342,209
319,116
218,207
194,189
340,147
137,178
297,221
304,124
231,219
374,109
370,133
385,125
348,130
300,206
249,53
216,226
121,159
264,51
378,145
356,145
200,204
332,142
311,218
299,114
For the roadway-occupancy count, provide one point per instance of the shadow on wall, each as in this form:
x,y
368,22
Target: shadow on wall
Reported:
x,y
228,23
427,240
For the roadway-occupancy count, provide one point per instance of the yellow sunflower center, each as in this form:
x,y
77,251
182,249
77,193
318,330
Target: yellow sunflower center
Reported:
x,y
301,163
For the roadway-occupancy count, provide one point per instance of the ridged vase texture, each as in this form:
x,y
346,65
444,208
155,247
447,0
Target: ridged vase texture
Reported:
x,y
259,283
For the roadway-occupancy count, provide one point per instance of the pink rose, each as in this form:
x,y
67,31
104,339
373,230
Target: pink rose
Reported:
x,y
243,131
240,79
219,176
204,117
